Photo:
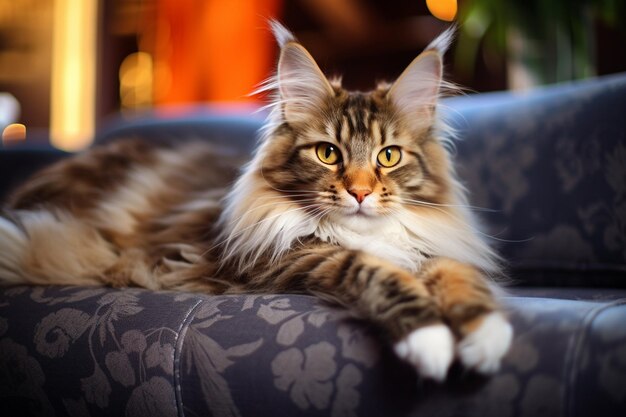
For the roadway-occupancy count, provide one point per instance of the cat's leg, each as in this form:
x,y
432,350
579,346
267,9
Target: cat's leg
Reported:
x,y
376,290
469,306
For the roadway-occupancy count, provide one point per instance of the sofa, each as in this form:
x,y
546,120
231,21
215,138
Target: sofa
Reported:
x,y
545,169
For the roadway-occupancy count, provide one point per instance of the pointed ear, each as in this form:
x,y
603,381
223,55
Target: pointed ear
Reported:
x,y
416,91
302,86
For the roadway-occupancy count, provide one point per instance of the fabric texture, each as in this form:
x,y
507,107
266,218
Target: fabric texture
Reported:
x,y
93,351
550,170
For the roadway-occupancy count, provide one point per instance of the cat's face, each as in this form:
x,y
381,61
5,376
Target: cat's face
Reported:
x,y
364,171
352,154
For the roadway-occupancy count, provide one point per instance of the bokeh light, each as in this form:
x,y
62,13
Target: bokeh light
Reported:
x,y
442,9
14,132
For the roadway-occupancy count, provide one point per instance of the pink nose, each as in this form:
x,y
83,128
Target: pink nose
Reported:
x,y
359,194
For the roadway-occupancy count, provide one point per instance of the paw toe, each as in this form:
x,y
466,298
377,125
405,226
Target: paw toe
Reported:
x,y
483,349
429,349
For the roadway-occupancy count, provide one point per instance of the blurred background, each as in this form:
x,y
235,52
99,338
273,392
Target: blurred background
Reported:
x,y
68,66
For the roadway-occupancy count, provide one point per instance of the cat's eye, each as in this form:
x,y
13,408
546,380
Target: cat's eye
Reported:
x,y
389,157
328,153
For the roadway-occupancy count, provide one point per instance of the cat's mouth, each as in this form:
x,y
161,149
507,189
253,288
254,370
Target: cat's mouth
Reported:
x,y
350,208
360,211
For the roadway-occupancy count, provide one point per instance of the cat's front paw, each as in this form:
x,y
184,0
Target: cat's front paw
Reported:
x,y
429,349
483,348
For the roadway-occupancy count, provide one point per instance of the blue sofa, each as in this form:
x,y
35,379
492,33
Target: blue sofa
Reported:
x,y
551,168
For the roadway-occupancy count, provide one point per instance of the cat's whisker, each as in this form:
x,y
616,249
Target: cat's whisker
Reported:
x,y
226,243
311,200
312,196
468,225
280,200
286,196
232,236
265,219
472,228
317,218
426,203
429,221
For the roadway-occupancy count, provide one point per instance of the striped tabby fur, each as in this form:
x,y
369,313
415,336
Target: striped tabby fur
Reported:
x,y
396,245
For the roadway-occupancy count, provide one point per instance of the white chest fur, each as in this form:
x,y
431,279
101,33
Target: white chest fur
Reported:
x,y
383,237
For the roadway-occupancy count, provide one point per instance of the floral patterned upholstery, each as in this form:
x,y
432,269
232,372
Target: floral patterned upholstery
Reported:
x,y
550,166
96,351
551,169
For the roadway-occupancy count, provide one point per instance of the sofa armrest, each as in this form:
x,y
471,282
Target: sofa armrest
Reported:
x,y
98,351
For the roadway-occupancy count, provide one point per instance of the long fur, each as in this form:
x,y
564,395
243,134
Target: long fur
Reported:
x,y
395,243
405,238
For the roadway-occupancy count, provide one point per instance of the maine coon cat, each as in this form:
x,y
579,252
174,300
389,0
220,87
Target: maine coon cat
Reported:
x,y
350,196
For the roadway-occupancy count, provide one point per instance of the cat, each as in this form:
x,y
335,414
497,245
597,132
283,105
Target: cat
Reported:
x,y
350,196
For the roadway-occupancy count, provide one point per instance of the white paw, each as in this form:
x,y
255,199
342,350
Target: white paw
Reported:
x,y
430,349
483,349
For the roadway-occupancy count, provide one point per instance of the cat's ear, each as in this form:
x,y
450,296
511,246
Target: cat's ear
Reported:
x,y
302,86
416,92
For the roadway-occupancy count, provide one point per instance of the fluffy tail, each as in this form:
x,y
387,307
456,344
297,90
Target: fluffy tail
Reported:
x,y
45,247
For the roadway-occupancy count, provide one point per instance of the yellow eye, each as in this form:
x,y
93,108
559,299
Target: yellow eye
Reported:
x,y
389,157
328,153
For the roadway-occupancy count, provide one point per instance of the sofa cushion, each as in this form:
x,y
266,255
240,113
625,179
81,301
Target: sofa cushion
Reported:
x,y
551,165
97,351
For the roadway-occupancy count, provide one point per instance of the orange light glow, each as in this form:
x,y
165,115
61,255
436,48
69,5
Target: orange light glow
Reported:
x,y
442,9
136,81
72,110
13,133
213,50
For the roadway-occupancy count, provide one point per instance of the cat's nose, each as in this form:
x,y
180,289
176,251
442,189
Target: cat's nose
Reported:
x,y
360,193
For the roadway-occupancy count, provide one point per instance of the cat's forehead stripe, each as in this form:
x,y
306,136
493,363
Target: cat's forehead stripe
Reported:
x,y
375,131
344,130
357,110
359,118
383,134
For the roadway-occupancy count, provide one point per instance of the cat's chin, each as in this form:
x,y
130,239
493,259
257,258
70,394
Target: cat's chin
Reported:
x,y
358,221
360,211
362,214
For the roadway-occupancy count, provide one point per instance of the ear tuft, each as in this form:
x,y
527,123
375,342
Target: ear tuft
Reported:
x,y
302,86
282,34
443,41
416,92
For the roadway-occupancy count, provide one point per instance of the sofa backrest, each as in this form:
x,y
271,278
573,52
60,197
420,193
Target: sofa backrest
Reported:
x,y
236,129
552,164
